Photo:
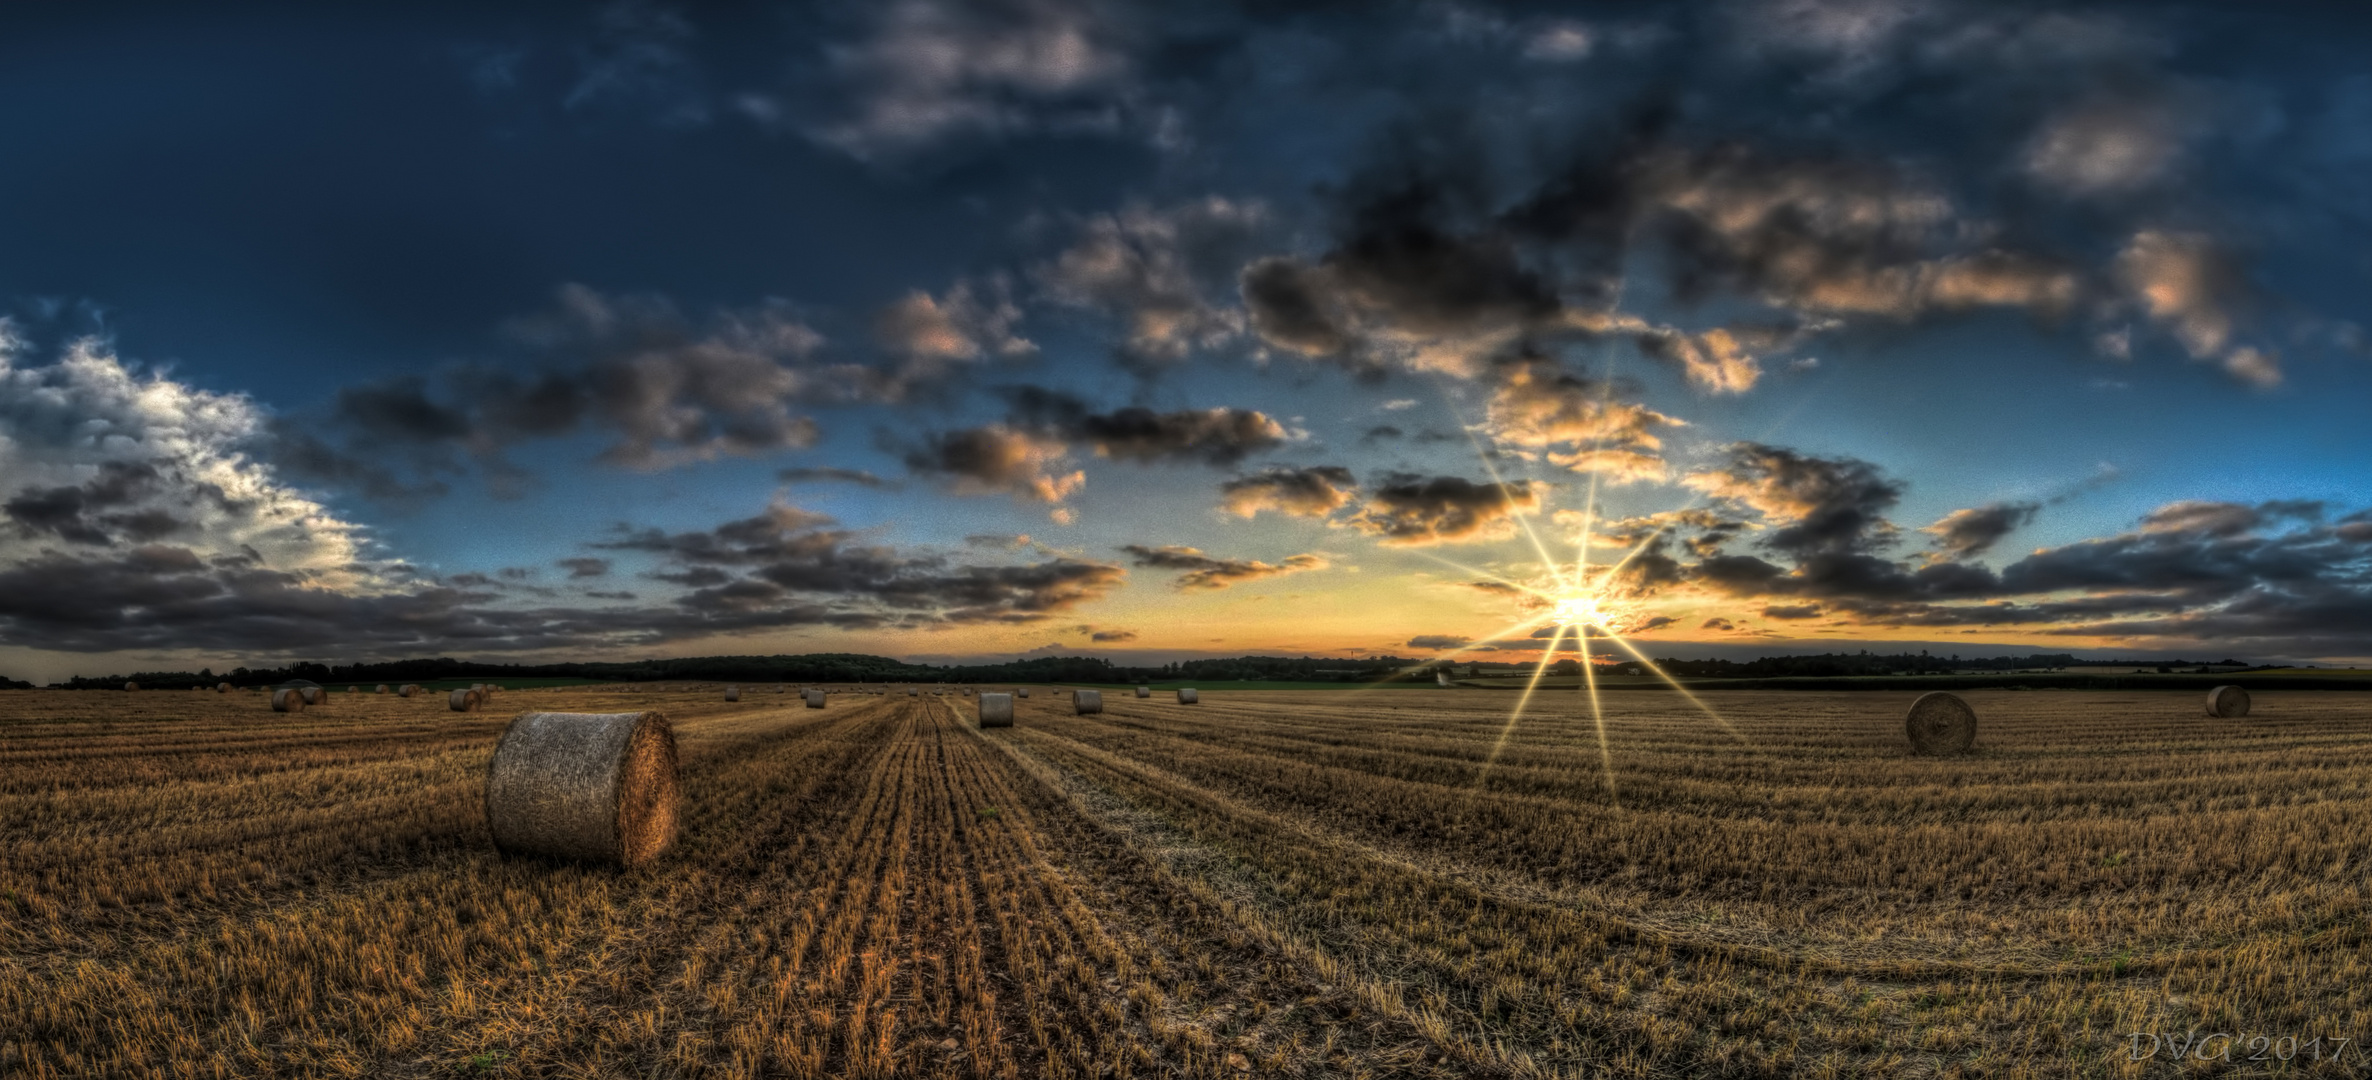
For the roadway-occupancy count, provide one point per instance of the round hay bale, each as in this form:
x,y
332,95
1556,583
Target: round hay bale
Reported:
x,y
131,687
2227,702
913,692
354,689
463,701
382,688
1941,723
407,690
815,699
1087,701
315,695
597,786
996,710
288,699
222,688
732,693
1144,691
1024,691
1187,696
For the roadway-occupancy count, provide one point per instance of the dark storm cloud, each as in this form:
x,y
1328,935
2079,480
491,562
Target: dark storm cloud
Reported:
x,y
582,567
787,552
2274,575
1025,455
1967,533
99,511
1436,642
779,570
666,389
1203,572
1112,636
1218,436
810,475
1161,274
1818,506
997,458
1314,491
1408,510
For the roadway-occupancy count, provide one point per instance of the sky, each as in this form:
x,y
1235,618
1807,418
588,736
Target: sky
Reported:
x,y
1150,331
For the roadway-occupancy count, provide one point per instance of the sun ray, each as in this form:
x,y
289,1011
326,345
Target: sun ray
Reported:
x,y
1548,655
1683,690
1549,562
1509,582
1589,678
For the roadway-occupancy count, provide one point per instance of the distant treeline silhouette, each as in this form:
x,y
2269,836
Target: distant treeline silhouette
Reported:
x,y
857,667
812,667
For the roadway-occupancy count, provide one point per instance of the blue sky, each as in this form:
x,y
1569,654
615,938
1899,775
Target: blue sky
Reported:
x,y
979,329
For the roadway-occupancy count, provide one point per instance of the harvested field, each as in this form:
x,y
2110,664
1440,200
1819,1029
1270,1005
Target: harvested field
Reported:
x,y
1268,883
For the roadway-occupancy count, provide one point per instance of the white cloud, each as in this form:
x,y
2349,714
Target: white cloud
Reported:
x,y
98,456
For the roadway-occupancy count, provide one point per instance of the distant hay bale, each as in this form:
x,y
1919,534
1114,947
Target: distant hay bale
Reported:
x,y
131,687
222,688
732,693
1144,691
912,692
2227,702
1187,696
1087,701
1024,691
464,701
354,689
288,699
1940,724
595,786
996,710
815,699
407,690
382,688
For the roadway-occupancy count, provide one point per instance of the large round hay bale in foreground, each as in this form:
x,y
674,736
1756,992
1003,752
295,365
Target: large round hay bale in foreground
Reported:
x,y
815,699
288,699
463,701
596,786
315,695
732,693
1088,701
2227,702
1144,691
1940,724
1187,696
408,690
996,710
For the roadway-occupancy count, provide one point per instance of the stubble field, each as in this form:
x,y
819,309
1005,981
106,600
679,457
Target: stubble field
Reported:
x,y
1268,883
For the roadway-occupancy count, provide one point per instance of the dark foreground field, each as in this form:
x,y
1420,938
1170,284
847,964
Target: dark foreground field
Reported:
x,y
1302,884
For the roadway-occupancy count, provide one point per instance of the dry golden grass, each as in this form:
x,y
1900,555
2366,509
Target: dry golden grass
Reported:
x,y
1292,883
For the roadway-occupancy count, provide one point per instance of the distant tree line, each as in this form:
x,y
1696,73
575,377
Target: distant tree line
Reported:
x,y
856,667
812,667
1862,663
